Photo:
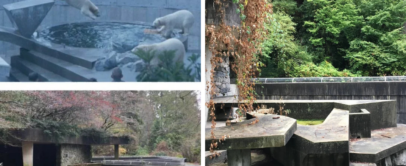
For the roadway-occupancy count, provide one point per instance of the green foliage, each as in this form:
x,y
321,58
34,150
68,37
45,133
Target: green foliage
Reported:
x,y
142,151
168,71
364,36
56,130
327,20
324,69
280,51
380,48
285,6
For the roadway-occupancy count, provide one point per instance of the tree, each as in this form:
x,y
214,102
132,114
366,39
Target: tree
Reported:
x,y
326,22
379,49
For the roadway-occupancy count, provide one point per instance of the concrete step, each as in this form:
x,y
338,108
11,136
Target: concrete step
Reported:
x,y
81,57
63,68
27,67
17,76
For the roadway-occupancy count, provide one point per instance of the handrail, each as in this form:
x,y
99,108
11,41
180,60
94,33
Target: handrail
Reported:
x,y
332,79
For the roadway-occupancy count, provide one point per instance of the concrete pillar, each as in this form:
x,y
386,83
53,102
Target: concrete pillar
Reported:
x,y
241,157
116,151
28,153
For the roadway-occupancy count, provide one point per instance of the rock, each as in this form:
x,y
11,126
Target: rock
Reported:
x,y
111,61
125,58
99,65
135,66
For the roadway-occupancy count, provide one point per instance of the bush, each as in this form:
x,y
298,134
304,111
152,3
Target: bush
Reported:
x,y
191,151
168,71
324,69
142,151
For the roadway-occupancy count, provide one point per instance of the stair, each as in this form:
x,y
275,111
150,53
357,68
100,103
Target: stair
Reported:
x,y
26,67
56,68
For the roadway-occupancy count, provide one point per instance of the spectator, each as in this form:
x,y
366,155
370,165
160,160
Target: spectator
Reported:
x,y
33,77
117,75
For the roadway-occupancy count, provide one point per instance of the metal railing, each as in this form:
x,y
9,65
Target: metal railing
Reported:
x,y
332,79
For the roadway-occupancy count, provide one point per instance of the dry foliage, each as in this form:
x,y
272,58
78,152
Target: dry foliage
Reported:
x,y
242,44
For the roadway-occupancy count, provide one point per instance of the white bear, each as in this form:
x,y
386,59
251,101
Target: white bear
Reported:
x,y
86,7
182,19
172,44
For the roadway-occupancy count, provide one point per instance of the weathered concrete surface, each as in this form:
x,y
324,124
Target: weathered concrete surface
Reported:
x,y
38,136
27,15
360,124
382,144
4,68
318,145
74,154
240,157
222,158
338,91
333,129
383,112
300,109
232,18
268,132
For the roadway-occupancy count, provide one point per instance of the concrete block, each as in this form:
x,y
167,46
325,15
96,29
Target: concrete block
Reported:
x,y
27,15
4,68
360,124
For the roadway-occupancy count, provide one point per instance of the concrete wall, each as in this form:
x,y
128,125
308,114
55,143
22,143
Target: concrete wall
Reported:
x,y
339,91
74,154
111,10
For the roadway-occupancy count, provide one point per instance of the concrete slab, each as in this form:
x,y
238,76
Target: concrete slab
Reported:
x,y
333,129
268,132
383,143
4,68
28,15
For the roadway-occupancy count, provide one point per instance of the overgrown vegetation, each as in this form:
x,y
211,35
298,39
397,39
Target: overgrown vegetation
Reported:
x,y
338,38
149,118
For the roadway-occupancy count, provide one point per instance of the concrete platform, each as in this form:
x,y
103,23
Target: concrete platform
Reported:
x,y
268,132
383,112
383,143
318,145
333,129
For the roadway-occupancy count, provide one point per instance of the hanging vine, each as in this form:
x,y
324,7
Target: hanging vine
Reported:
x,y
242,43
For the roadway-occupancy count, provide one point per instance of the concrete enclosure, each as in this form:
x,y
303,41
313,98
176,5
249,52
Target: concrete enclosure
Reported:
x,y
338,91
110,10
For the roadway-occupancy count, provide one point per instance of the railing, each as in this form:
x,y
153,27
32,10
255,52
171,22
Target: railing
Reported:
x,y
332,79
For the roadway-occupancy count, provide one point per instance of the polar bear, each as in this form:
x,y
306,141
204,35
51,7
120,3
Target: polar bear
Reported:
x,y
182,19
172,44
86,7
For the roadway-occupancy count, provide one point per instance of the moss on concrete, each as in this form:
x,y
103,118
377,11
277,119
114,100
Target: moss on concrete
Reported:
x,y
310,121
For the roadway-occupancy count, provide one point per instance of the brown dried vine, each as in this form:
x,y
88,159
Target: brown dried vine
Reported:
x,y
242,43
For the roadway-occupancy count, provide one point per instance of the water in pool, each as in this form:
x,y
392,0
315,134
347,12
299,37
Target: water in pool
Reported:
x,y
95,34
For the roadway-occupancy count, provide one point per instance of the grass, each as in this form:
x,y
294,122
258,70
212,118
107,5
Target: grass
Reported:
x,y
309,121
